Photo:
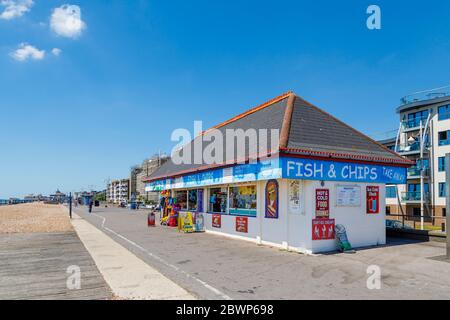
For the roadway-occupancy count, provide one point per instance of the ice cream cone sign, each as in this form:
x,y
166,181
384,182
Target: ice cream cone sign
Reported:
x,y
272,199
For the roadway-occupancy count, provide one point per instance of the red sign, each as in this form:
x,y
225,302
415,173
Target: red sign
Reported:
x,y
217,221
242,224
322,203
372,200
323,229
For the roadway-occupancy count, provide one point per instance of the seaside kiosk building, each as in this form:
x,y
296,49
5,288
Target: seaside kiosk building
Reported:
x,y
319,173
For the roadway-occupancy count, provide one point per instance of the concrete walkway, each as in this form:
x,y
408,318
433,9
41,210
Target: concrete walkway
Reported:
x,y
215,267
128,276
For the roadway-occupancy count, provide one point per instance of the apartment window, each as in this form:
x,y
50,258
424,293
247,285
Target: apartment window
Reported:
x,y
414,119
444,112
442,187
444,138
217,200
441,164
388,210
391,192
444,212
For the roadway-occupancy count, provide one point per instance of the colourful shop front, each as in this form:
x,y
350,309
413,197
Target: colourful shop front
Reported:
x,y
294,198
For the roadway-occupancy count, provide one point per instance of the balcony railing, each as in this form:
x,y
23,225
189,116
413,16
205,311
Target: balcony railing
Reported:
x,y
414,196
426,95
415,146
414,123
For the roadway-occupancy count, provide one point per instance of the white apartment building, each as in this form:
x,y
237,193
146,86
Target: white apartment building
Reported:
x,y
424,137
118,191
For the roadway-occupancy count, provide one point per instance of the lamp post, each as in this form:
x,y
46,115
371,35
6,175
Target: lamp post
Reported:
x,y
447,198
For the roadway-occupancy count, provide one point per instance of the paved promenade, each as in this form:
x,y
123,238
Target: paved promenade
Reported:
x,y
215,267
128,276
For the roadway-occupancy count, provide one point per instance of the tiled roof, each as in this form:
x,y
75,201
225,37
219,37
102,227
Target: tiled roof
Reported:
x,y
305,131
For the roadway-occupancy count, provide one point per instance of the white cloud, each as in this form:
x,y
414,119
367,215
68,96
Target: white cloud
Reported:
x,y
14,8
56,51
26,51
66,21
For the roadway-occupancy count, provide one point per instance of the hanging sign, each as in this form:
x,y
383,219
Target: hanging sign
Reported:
x,y
373,199
294,196
348,196
323,229
322,203
272,199
242,224
217,221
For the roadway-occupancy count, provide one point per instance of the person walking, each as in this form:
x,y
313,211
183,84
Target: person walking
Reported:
x,y
91,203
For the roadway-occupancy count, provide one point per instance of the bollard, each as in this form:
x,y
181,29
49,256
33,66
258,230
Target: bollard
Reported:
x,y
151,219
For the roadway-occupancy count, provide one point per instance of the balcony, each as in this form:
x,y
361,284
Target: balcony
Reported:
x,y
414,172
414,197
409,148
414,124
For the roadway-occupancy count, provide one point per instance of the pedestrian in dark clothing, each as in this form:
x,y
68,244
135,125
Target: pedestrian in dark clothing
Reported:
x,y
91,203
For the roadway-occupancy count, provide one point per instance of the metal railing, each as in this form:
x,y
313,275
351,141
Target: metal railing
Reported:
x,y
414,196
426,95
414,123
407,147
415,171
431,223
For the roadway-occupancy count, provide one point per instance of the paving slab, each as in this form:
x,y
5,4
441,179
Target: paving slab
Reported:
x,y
216,267
128,276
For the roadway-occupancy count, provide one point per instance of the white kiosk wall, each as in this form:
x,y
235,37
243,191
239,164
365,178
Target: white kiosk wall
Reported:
x,y
293,228
362,229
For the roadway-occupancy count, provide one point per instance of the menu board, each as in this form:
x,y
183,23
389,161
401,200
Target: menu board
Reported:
x,y
348,196
294,196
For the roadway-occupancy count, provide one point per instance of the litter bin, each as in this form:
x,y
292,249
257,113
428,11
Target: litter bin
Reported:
x,y
133,206
97,203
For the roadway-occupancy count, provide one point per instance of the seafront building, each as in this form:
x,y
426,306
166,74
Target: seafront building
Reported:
x,y
139,173
118,191
320,177
423,137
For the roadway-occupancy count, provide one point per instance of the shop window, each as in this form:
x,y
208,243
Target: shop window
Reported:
x,y
192,200
181,199
243,201
217,200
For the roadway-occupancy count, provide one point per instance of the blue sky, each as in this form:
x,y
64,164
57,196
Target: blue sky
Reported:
x,y
139,69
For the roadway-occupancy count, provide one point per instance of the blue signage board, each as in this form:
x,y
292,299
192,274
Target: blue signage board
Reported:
x,y
309,169
262,170
288,168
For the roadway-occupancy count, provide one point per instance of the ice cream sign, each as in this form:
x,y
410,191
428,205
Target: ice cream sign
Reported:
x,y
309,169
